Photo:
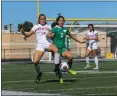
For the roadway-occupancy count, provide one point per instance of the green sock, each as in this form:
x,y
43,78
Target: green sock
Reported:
x,y
58,70
60,73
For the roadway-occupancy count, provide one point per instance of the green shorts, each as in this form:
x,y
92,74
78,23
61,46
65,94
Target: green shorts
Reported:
x,y
62,50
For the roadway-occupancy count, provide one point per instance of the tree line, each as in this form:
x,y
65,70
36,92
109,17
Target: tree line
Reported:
x,y
27,25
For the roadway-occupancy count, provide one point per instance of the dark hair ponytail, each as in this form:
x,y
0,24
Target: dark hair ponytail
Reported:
x,y
40,17
92,27
53,24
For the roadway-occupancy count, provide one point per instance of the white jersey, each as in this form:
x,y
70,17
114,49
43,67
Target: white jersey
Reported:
x,y
92,44
41,32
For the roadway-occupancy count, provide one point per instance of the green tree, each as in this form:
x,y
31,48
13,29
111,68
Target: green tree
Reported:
x,y
5,27
27,25
19,27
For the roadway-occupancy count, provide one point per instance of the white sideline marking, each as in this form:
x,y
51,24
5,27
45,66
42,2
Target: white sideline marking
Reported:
x,y
109,94
71,89
90,94
82,88
5,92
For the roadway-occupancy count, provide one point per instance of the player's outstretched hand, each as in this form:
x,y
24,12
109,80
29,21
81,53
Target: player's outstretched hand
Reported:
x,y
24,38
22,31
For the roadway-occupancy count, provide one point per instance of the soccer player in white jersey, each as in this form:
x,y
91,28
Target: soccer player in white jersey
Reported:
x,y
92,38
42,43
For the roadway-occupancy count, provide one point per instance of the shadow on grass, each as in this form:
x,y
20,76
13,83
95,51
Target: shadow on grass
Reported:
x,y
68,80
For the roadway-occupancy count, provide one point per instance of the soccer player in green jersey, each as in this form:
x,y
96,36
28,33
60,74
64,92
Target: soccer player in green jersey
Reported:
x,y
58,34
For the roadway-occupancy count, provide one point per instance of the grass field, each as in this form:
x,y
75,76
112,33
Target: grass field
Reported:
x,y
21,77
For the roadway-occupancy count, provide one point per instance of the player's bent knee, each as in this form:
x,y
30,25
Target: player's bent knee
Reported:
x,y
55,50
35,62
70,57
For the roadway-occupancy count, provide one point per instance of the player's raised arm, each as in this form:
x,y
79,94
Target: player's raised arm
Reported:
x,y
28,34
77,40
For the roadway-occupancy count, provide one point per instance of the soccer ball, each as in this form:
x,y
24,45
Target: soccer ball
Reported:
x,y
64,66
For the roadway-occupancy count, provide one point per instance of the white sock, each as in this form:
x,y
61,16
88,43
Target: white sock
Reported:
x,y
56,58
87,61
96,61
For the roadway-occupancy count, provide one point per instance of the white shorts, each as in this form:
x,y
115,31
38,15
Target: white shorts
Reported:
x,y
43,47
92,46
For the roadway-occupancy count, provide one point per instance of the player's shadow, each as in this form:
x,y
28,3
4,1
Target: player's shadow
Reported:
x,y
67,80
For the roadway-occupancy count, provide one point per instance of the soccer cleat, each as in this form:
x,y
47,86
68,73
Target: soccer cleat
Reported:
x,y
96,68
38,77
72,72
61,81
86,67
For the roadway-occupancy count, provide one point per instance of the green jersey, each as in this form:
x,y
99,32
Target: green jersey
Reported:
x,y
59,38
